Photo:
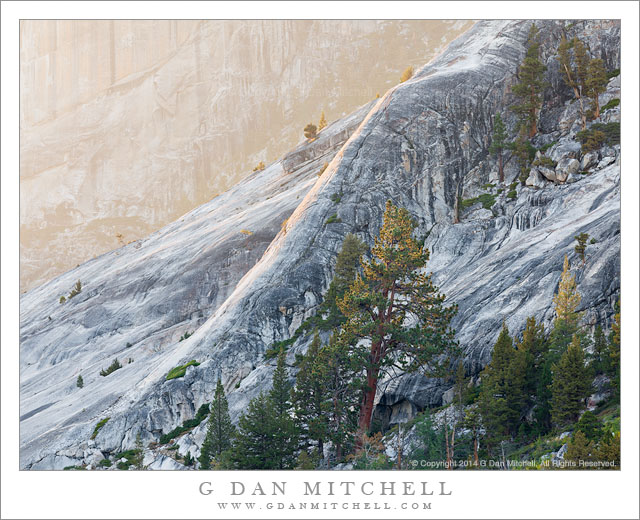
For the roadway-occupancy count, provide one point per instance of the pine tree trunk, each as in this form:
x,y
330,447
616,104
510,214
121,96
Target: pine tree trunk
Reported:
x,y
534,125
500,168
321,448
366,409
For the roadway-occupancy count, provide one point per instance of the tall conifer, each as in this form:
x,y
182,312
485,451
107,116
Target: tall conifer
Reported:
x,y
309,397
531,85
500,397
267,436
285,432
343,382
571,385
392,293
596,83
220,430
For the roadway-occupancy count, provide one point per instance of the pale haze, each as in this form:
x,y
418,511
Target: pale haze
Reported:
x,y
127,125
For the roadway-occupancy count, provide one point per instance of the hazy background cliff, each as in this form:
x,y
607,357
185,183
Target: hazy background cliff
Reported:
x,y
126,125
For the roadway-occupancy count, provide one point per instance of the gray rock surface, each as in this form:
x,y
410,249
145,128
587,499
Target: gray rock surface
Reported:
x,y
535,179
565,167
239,293
548,174
589,160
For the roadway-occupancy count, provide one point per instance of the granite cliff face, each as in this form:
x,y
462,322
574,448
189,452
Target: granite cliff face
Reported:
x,y
128,125
239,276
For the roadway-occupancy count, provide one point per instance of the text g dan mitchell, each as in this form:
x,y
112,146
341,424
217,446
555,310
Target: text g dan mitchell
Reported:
x,y
319,488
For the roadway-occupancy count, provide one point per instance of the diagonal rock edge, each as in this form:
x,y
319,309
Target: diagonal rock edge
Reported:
x,y
414,147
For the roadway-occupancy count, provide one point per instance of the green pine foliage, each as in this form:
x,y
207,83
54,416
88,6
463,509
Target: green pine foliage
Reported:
x,y
377,305
600,358
333,219
188,459
532,349
596,83
343,382
499,144
115,365
138,458
598,135
580,448
524,153
430,443
80,382
609,450
612,103
267,436
574,63
487,200
502,396
309,398
571,385
220,430
254,443
581,246
590,426
187,425
530,86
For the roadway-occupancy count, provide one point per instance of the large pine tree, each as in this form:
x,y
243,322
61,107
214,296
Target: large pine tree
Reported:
x,y
310,399
254,442
285,434
343,382
574,70
502,394
220,430
267,436
531,85
532,348
571,385
392,293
